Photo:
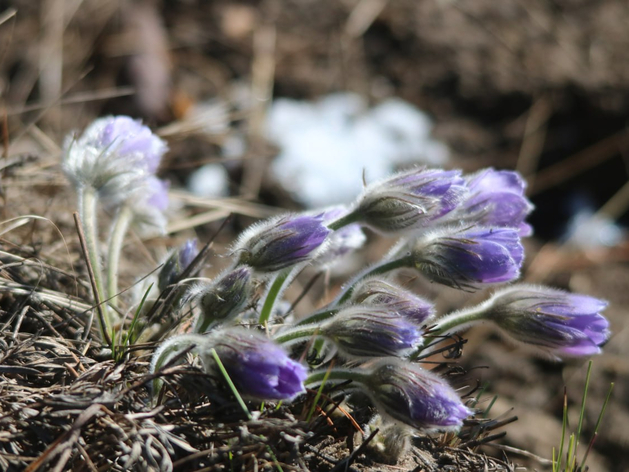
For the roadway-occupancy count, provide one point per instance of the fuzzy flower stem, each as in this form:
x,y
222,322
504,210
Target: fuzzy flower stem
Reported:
x,y
317,317
87,210
451,323
274,292
346,220
405,261
458,320
168,350
116,239
297,333
318,376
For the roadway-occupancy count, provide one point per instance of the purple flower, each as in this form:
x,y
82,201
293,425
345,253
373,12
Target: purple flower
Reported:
x,y
187,252
259,368
414,396
224,298
364,331
471,258
342,241
558,323
176,263
128,138
387,295
114,156
148,204
409,199
282,242
496,199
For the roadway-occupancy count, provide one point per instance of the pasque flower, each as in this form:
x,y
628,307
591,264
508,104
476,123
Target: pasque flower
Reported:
x,y
281,242
223,298
496,199
470,258
112,156
559,323
409,199
176,263
387,295
148,206
259,368
367,331
407,393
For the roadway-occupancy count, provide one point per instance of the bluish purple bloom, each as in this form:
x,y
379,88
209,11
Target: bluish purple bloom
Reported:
x,y
259,368
282,242
364,331
157,193
114,156
224,298
559,323
496,199
149,203
342,241
470,258
409,199
414,396
176,263
187,253
387,295
129,138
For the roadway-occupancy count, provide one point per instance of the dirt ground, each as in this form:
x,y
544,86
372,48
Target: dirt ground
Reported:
x,y
540,86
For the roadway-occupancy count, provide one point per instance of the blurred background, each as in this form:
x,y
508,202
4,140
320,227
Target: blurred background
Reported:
x,y
292,103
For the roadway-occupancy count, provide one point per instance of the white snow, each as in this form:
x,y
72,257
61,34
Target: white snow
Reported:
x,y
326,145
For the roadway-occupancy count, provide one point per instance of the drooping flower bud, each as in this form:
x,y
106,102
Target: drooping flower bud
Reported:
x,y
496,199
558,323
113,156
384,294
342,241
364,331
149,204
223,298
259,368
414,396
281,242
471,258
409,199
176,263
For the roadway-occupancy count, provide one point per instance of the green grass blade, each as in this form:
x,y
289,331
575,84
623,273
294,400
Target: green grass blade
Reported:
x,y
583,399
598,424
233,388
319,392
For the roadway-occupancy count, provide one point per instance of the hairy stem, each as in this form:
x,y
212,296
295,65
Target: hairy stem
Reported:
x,y
382,268
87,209
116,239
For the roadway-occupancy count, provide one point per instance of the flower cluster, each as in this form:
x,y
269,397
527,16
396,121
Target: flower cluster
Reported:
x,y
457,231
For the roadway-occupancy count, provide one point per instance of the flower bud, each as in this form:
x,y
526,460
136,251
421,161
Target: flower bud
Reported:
x,y
364,331
558,323
224,298
496,199
387,295
259,368
149,204
281,242
177,263
468,259
409,199
113,156
407,393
